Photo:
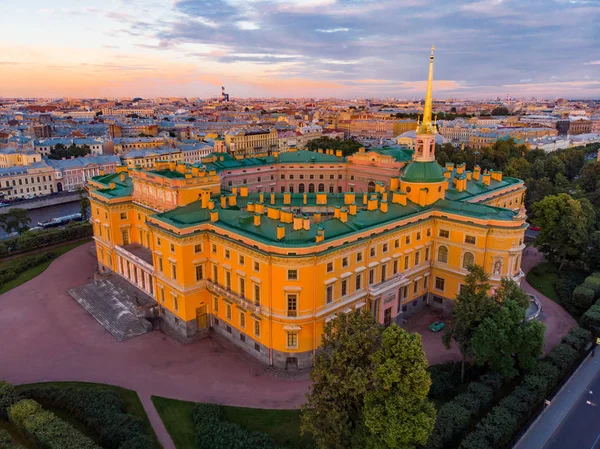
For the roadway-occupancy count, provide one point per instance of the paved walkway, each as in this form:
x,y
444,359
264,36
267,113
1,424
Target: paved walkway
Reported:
x,y
543,432
557,320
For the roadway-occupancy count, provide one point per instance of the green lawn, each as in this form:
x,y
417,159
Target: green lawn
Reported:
x,y
27,275
282,425
133,404
542,279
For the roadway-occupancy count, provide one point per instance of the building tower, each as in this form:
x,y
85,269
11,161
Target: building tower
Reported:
x,y
423,179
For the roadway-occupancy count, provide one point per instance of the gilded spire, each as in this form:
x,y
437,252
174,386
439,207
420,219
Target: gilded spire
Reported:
x,y
427,127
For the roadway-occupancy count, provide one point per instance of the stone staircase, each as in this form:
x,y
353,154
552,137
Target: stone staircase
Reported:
x,y
116,306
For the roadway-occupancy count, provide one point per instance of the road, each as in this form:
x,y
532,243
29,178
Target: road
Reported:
x,y
581,427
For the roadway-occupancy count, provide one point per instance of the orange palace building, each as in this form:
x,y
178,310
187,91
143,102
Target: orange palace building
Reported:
x,y
268,269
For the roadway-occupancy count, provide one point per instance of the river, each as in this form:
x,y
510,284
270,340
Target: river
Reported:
x,y
46,213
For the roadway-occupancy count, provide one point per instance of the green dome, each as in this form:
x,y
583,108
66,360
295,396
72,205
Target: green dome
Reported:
x,y
423,172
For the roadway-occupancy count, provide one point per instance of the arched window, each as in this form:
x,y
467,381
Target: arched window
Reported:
x,y
311,188
331,187
443,254
291,188
321,187
301,187
371,187
468,260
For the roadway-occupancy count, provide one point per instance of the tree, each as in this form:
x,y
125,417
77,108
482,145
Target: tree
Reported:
x,y
593,252
370,387
342,374
397,411
15,220
565,224
506,342
472,306
589,177
84,204
500,110
348,147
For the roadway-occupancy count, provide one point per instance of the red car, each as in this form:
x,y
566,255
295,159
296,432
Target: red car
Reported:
x,y
534,228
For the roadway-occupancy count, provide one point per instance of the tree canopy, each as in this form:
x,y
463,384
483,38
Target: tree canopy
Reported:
x,y
348,147
59,151
370,387
15,220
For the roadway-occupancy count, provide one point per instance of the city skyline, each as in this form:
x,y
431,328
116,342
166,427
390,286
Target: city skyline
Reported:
x,y
299,48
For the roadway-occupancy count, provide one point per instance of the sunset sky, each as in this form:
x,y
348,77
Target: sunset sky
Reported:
x,y
293,48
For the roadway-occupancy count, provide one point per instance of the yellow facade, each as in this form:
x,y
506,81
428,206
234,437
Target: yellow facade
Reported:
x,y
269,270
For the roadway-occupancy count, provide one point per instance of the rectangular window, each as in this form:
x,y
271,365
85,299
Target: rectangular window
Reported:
x,y
426,253
257,328
344,287
395,266
197,249
425,282
396,243
444,233
372,252
123,215
292,275
256,266
227,254
157,241
162,294
329,267
329,293
358,282
228,311
417,257
242,287
359,257
125,236
428,232
384,248
344,262
383,273
292,340
440,283
415,287
419,235
292,305
215,274
407,240
199,272
242,320
160,264
406,262
470,239
228,280
216,301
172,248
242,260
257,294
175,303
371,276
214,248
173,271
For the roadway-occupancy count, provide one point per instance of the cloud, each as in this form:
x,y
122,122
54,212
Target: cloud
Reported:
x,y
334,30
592,62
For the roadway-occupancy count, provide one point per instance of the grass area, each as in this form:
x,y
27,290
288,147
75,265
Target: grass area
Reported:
x,y
543,279
29,274
282,425
133,405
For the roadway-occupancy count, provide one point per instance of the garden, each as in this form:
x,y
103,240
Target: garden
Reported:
x,y
73,415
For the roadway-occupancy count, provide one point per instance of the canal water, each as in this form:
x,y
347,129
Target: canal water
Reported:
x,y
46,213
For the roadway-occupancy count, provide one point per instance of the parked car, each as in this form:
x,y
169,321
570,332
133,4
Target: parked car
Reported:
x,y
437,326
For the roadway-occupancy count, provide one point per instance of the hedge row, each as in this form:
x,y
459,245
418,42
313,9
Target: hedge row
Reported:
x,y
453,418
500,426
46,429
590,320
103,412
33,240
23,264
584,295
6,441
211,432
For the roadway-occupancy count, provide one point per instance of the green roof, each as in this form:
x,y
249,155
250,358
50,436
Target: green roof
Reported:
x,y
168,174
401,154
423,172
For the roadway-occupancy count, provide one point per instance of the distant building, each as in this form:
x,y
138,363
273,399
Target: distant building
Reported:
x,y
148,157
33,180
133,130
409,139
40,131
44,147
141,112
128,144
252,143
380,129
18,157
72,174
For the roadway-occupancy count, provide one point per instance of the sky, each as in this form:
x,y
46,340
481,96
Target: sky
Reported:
x,y
299,48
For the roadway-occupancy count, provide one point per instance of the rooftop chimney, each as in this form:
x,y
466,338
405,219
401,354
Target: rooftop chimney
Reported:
x,y
280,232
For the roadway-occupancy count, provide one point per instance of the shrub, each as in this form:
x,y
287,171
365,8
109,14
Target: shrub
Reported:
x,y
483,392
451,422
101,411
22,410
445,378
492,379
563,357
577,338
8,397
591,319
566,284
213,433
5,440
582,299
32,240
593,282
548,371
476,440
500,425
